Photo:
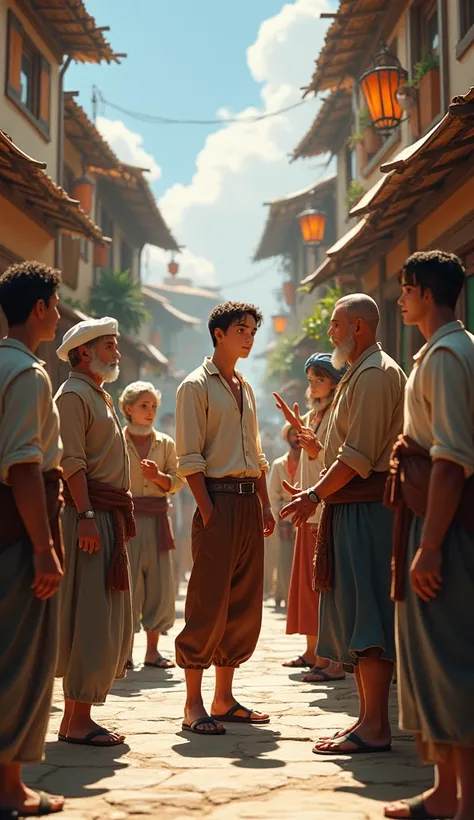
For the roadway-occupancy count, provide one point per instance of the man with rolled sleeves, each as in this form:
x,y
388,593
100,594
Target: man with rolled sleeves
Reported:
x,y
96,617
433,493
353,551
31,552
220,455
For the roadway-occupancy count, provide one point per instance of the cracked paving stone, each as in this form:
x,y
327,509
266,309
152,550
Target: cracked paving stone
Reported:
x,y
253,772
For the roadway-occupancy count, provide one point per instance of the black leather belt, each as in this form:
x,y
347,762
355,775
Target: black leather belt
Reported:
x,y
247,487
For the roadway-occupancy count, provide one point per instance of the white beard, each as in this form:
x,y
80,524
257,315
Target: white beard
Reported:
x,y
107,372
341,353
139,429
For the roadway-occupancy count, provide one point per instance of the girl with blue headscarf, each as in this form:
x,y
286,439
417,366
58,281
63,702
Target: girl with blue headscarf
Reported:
x,y
303,601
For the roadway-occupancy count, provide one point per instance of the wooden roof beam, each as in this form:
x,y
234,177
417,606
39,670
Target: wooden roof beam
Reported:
x,y
327,15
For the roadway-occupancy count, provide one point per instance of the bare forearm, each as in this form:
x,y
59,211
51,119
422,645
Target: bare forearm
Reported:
x,y
197,485
262,490
77,484
30,498
338,475
163,481
444,494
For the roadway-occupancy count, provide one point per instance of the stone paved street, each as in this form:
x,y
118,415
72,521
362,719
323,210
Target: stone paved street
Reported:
x,y
252,772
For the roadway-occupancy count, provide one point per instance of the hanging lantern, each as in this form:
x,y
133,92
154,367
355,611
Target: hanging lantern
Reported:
x,y
173,268
289,293
280,322
101,256
379,86
312,225
82,190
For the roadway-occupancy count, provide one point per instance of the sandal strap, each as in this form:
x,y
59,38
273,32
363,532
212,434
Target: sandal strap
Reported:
x,y
202,721
237,707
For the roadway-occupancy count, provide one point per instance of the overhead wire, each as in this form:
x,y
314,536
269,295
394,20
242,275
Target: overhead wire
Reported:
x,y
159,120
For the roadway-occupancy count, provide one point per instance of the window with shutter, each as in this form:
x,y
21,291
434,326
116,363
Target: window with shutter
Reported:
x,y
28,76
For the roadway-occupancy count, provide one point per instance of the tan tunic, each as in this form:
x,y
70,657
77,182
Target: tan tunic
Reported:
x,y
367,413
439,398
95,640
212,436
153,591
29,420
92,433
310,468
163,452
29,433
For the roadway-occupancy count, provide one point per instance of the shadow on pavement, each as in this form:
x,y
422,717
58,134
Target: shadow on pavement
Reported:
x,y
257,742
144,678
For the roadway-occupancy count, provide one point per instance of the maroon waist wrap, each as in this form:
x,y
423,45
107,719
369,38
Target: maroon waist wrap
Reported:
x,y
358,490
406,492
13,528
105,498
157,508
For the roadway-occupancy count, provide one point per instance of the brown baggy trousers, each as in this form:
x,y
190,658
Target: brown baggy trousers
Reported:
x,y
223,610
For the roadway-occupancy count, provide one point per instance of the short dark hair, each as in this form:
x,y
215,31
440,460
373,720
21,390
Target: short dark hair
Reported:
x,y
223,316
443,273
23,285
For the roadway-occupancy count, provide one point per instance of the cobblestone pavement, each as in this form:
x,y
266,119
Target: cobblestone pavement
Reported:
x,y
252,772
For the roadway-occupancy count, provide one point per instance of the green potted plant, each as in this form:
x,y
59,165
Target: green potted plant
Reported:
x,y
354,194
356,143
372,140
426,76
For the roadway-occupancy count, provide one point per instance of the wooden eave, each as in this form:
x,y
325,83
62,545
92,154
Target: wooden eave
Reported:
x,y
329,128
161,303
74,30
24,182
85,137
282,215
137,197
352,39
441,159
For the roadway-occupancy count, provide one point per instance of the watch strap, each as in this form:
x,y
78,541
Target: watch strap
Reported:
x,y
87,514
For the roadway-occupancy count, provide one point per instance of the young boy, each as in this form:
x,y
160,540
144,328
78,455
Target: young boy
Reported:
x,y
220,455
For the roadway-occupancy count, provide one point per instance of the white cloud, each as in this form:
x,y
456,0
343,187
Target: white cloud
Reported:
x,y
197,268
128,146
220,216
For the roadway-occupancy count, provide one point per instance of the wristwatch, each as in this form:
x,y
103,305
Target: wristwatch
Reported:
x,y
86,514
314,497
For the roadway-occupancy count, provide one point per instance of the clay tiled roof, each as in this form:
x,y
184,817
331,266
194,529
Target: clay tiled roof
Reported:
x,y
283,213
329,128
23,180
412,179
186,290
85,137
352,39
161,302
75,31
137,196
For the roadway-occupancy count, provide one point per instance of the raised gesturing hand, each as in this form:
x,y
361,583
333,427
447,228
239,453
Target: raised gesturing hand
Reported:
x,y
292,416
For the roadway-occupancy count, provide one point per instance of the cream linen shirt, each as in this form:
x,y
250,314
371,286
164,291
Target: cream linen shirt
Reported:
x,y
163,452
212,436
91,433
367,413
439,397
310,469
29,420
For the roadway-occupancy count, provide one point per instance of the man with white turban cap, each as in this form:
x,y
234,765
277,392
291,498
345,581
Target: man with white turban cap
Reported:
x,y
96,615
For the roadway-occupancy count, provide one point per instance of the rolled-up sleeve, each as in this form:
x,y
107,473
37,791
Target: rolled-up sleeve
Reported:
x,y
262,461
275,490
191,421
370,417
450,397
73,419
20,427
171,467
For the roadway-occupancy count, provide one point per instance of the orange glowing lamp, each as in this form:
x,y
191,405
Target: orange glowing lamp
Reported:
x,y
379,86
312,225
280,322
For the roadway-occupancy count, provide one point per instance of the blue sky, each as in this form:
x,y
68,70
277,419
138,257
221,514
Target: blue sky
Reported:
x,y
190,59
185,60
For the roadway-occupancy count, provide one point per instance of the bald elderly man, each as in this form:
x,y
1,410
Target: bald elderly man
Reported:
x,y
353,553
96,612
